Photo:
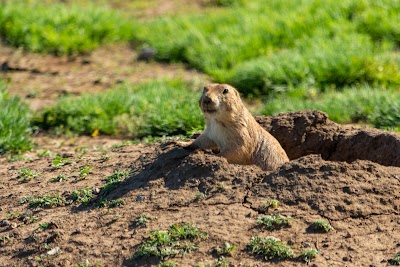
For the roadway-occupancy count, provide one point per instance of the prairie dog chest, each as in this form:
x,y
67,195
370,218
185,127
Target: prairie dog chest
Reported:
x,y
217,132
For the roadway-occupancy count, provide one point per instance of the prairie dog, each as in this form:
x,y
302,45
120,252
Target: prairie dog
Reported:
x,y
232,129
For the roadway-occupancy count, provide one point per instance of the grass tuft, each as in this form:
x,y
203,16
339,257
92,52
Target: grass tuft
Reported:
x,y
227,249
321,225
270,248
274,221
14,123
83,195
46,201
308,254
179,239
25,175
395,260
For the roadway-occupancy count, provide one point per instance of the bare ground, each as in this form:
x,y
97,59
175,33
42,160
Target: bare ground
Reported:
x,y
356,190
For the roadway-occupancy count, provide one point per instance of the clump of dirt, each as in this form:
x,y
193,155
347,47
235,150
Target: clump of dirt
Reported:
x,y
358,193
311,132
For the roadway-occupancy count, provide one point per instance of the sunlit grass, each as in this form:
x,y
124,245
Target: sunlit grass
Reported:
x,y
60,28
154,108
14,123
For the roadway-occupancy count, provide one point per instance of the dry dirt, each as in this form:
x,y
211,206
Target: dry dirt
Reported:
x,y
351,177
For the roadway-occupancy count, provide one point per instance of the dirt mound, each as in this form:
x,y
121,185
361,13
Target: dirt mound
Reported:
x,y
335,190
311,132
326,178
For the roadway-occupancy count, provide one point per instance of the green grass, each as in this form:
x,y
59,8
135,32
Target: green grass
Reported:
x,y
60,28
142,220
323,43
83,195
46,201
270,248
227,249
113,181
377,106
25,175
395,260
60,161
308,254
14,123
315,62
111,203
274,221
179,239
321,225
155,108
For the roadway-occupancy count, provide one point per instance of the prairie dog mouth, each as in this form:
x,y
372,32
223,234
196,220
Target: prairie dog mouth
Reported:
x,y
209,108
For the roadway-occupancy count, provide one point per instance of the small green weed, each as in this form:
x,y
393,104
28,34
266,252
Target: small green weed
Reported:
x,y
45,153
199,195
25,175
395,260
85,170
113,181
308,254
221,262
12,215
228,249
46,201
274,221
179,239
86,264
116,203
270,248
60,161
104,158
321,225
60,178
44,225
142,220
25,199
110,203
83,195
5,239
28,218
269,204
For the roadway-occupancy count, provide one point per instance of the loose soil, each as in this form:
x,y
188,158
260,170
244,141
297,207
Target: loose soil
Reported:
x,y
348,176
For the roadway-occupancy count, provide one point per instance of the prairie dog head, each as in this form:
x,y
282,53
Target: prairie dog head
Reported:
x,y
220,100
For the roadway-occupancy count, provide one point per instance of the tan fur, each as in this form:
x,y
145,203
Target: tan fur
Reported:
x,y
231,128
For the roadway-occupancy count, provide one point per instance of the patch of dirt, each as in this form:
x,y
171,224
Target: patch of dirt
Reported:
x,y
333,174
41,79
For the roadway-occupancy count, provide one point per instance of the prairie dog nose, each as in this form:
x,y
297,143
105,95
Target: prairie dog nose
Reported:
x,y
206,100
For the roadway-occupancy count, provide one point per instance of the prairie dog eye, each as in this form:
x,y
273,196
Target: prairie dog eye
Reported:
x,y
225,91
205,89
